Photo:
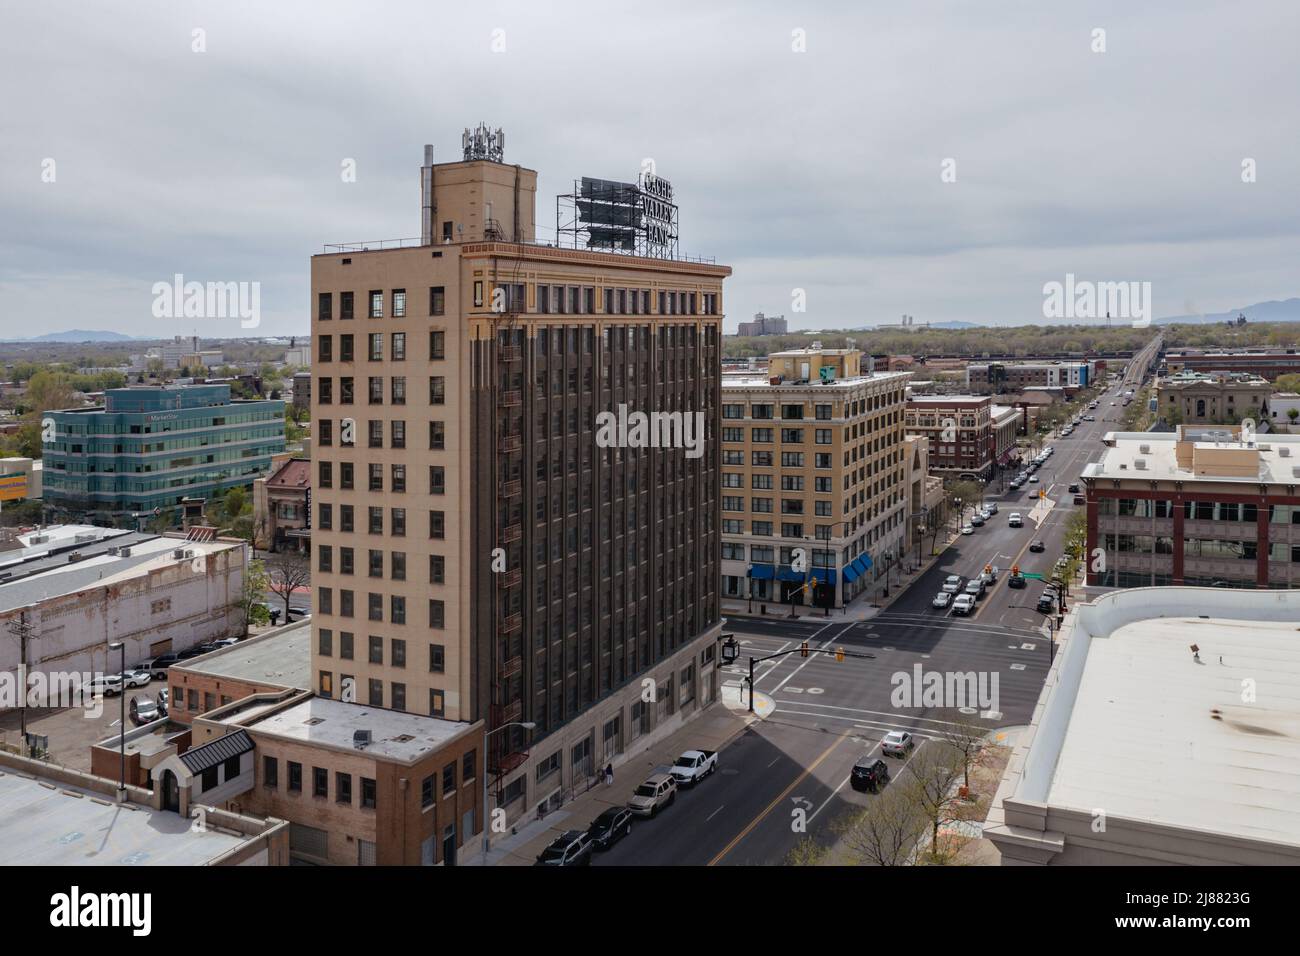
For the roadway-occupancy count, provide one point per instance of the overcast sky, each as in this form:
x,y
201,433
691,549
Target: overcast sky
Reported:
x,y
818,170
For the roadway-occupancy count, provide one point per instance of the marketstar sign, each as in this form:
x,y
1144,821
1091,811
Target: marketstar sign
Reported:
x,y
13,486
657,209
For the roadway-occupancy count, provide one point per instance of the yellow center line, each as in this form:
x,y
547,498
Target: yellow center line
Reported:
x,y
1014,561
772,806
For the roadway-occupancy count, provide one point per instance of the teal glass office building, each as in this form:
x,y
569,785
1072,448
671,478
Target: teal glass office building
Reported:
x,y
149,448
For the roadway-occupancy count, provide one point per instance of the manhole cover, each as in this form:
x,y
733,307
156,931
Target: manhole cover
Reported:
x,y
968,710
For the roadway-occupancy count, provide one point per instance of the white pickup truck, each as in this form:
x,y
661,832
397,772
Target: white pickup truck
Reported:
x,y
693,766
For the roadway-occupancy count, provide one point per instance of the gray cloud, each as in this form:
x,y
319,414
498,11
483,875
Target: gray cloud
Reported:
x,y
816,170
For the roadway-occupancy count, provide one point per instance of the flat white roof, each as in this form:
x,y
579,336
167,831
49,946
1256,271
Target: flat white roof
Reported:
x,y
1154,735
67,826
1160,461
395,735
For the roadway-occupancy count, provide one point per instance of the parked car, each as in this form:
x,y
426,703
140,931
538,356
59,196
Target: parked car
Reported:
x,y
967,529
1079,500
164,701
157,666
226,642
991,507
144,711
1015,484
941,600
571,848
1016,581
610,827
1038,547
1033,479
106,685
952,584
659,791
136,677
1073,489
1014,520
694,765
1046,603
963,604
869,773
897,743
977,521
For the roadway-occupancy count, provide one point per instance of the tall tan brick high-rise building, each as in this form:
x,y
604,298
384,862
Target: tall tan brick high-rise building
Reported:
x,y
478,553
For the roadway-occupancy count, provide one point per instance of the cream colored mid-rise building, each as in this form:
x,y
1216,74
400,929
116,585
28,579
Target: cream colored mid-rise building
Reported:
x,y
813,459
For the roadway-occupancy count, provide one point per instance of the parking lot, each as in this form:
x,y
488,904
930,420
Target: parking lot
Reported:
x,y
73,730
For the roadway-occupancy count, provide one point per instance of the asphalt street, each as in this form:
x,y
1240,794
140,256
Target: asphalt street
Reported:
x,y
788,774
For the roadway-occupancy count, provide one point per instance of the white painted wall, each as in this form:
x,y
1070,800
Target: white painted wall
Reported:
x,y
72,631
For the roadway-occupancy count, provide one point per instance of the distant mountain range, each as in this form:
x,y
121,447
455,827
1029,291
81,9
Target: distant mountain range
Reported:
x,y
1287,310
79,335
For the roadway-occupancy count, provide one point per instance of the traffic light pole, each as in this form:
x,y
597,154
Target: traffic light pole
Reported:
x,y
804,651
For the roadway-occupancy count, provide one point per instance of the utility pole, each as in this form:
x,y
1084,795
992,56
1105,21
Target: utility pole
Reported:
x,y
22,629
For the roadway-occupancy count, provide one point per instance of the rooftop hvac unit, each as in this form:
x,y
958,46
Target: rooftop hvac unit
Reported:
x,y
39,538
85,537
1295,471
1284,452
1144,449
360,739
1140,464
124,552
74,557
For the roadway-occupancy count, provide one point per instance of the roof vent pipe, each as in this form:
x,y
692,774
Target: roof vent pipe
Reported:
x,y
426,197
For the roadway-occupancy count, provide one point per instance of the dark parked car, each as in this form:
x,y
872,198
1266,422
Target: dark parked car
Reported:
x,y
1080,500
1038,547
869,773
1074,488
571,848
1047,603
610,827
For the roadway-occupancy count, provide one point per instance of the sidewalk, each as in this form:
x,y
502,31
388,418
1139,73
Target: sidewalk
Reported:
x,y
708,731
862,608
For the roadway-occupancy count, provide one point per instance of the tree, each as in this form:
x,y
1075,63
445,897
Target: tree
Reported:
x,y
930,785
256,581
888,832
807,852
288,572
968,738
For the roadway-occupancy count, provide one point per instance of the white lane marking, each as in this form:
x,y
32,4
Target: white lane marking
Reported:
x,y
827,644
813,815
876,713
713,814
773,763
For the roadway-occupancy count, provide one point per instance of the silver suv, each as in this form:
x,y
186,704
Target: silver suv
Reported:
x,y
659,791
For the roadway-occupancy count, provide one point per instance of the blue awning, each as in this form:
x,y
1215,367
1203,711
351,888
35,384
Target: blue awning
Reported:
x,y
849,574
863,563
786,573
762,572
825,575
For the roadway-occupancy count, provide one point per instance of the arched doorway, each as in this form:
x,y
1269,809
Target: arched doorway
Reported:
x,y
171,793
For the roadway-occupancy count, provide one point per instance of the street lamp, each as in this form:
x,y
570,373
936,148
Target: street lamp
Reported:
x,y
120,646
749,580
527,725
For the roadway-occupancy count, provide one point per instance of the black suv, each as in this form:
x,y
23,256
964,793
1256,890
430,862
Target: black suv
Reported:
x,y
610,827
869,773
1047,602
571,848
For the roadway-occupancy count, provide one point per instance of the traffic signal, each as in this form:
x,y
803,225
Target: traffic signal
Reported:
x,y
1015,570
803,649
839,654
988,569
